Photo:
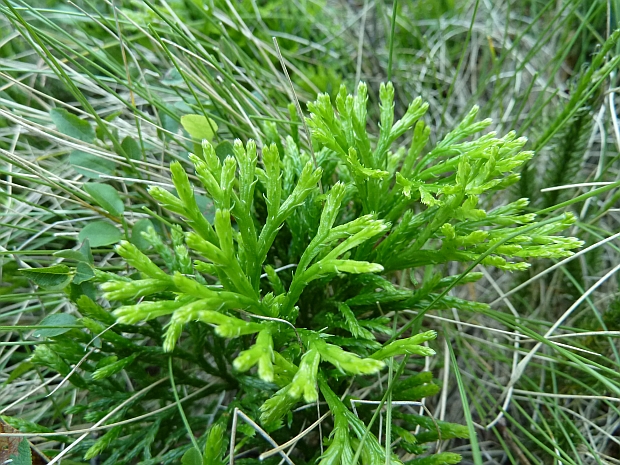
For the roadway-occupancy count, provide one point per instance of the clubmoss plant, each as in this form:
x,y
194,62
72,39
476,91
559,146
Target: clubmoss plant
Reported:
x,y
309,258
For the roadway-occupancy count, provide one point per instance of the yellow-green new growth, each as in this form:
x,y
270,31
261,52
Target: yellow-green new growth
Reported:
x,y
303,276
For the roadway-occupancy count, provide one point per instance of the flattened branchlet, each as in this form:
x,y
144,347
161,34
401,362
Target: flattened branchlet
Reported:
x,y
313,277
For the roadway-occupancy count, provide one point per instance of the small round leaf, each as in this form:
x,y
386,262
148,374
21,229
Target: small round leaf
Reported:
x,y
91,165
199,127
106,196
100,233
52,277
72,126
62,320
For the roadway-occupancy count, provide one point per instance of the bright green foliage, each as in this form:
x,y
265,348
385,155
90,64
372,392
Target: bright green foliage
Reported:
x,y
102,443
340,449
408,346
214,447
299,265
260,354
112,368
436,429
390,210
24,426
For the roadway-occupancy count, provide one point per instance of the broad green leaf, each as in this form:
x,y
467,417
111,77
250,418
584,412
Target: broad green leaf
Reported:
x,y
224,149
169,124
196,150
91,165
181,105
53,277
83,254
174,78
57,319
199,127
191,457
24,454
72,126
70,255
106,196
86,252
131,148
136,234
83,272
100,233
205,203
78,290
